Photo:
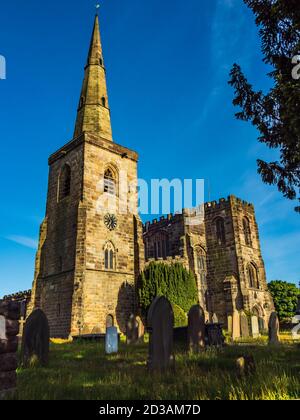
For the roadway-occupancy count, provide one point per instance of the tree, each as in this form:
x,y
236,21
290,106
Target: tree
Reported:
x,y
275,114
285,296
174,282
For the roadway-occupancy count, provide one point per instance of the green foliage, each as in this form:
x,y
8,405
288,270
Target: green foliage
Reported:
x,y
276,113
285,296
181,319
172,281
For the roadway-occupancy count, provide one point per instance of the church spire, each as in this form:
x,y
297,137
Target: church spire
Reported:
x,y
93,115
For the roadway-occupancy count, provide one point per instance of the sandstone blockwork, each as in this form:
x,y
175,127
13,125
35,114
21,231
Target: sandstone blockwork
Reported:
x,y
9,328
223,250
93,245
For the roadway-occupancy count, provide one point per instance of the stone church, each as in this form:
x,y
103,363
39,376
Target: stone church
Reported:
x,y
90,255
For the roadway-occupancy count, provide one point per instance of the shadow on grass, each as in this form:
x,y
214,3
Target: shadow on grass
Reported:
x,y
83,371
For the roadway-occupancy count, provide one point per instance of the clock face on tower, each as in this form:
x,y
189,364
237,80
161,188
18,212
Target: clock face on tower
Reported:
x,y
110,221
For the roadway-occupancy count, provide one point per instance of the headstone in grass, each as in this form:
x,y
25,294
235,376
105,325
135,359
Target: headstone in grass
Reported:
x,y
35,340
245,366
132,330
141,329
274,329
160,325
196,329
245,333
229,324
236,326
254,326
111,340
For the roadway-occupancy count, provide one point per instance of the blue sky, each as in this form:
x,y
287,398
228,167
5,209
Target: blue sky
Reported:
x,y
168,63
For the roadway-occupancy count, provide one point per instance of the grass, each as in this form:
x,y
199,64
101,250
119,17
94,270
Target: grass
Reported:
x,y
82,371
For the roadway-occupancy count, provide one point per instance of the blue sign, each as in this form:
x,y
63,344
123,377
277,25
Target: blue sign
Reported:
x,y
111,340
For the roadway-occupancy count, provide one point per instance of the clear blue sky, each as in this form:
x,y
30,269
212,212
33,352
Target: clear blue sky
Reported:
x,y
168,63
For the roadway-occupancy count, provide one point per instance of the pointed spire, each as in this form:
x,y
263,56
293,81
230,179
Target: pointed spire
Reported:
x,y
93,114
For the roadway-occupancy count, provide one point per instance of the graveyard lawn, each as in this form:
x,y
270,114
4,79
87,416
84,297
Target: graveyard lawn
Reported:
x,y
81,370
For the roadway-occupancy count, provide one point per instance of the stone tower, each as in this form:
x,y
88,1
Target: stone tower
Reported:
x,y
90,250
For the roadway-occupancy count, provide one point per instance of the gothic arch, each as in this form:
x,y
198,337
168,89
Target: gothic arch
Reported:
x,y
252,275
219,224
109,251
111,179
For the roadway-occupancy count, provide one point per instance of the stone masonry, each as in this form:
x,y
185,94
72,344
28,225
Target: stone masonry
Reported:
x,y
224,253
92,243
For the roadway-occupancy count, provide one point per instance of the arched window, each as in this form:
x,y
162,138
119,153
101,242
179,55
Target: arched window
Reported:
x,y
220,231
65,182
201,265
252,274
109,256
247,232
110,186
103,100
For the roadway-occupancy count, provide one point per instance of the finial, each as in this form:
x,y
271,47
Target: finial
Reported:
x,y
97,7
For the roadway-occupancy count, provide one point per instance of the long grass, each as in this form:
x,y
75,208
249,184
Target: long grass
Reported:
x,y
82,371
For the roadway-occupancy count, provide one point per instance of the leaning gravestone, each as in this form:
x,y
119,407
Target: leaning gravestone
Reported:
x,y
111,340
9,329
160,325
132,330
274,329
245,333
196,329
141,329
35,340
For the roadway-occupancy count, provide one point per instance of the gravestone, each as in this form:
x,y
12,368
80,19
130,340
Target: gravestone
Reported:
x,y
111,340
236,326
254,327
214,335
141,329
35,340
215,319
229,324
132,330
245,366
9,329
160,326
245,333
274,329
196,329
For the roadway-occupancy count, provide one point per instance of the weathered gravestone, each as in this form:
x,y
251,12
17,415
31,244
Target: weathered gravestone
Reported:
x,y
196,329
160,325
141,328
132,330
245,366
274,329
229,324
245,333
35,340
254,327
9,329
214,335
236,326
111,340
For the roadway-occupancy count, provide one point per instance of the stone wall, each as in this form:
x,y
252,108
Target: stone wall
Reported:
x,y
224,284
9,329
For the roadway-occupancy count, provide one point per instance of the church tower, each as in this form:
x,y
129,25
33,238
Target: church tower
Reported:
x,y
90,250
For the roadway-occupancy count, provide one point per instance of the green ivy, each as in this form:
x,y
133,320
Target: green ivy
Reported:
x,y
173,281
